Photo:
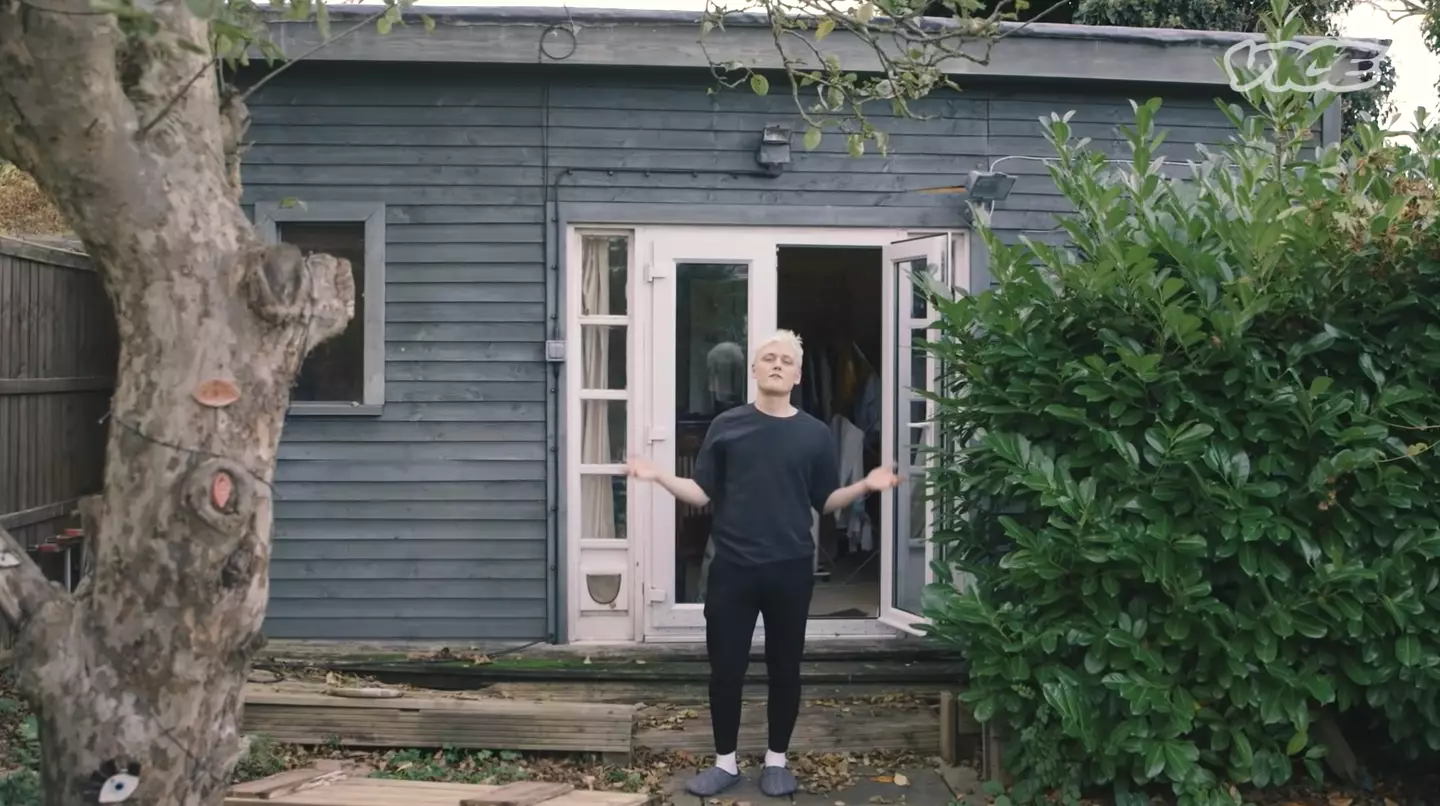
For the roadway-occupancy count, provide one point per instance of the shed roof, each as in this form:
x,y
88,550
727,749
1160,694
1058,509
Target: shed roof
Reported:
x,y
671,39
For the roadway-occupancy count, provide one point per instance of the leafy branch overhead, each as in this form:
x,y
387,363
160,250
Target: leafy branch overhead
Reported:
x,y
902,48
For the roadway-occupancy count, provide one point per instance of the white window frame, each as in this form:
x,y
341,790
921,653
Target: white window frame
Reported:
x,y
269,216
588,621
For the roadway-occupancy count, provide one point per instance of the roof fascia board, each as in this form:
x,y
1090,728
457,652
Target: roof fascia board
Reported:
x,y
672,40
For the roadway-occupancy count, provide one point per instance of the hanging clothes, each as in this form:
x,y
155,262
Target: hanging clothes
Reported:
x,y
813,395
846,377
852,520
824,386
865,412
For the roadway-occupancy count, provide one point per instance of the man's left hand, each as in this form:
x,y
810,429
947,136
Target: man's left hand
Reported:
x,y
881,479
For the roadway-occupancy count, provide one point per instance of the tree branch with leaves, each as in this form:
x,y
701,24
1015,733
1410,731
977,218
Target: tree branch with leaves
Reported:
x,y
907,49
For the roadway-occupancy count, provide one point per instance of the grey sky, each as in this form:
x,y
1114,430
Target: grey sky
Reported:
x,y
1416,68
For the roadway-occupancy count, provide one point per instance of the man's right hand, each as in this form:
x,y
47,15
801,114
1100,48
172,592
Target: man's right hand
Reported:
x,y
641,469
684,489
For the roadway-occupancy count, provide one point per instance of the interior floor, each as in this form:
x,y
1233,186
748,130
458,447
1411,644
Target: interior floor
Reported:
x,y
850,589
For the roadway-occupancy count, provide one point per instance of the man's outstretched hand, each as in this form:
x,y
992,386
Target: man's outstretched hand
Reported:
x,y
641,469
881,479
684,489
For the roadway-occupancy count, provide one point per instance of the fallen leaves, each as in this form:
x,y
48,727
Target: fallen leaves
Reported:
x,y
666,717
1384,792
24,207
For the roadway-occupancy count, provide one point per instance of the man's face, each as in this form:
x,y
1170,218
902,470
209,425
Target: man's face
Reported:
x,y
777,369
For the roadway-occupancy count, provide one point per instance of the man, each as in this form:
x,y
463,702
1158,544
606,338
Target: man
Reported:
x,y
765,465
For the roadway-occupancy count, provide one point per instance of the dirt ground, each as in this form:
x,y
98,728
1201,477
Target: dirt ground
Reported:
x,y
820,773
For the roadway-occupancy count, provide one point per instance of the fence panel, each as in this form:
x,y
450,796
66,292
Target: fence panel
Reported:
x,y
58,351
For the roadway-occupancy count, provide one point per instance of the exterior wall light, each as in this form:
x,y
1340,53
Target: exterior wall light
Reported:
x,y
989,186
774,151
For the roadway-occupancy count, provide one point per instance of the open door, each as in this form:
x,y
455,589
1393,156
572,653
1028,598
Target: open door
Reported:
x,y
710,294
908,423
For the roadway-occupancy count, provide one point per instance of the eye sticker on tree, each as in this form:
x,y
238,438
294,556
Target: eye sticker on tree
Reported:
x,y
110,785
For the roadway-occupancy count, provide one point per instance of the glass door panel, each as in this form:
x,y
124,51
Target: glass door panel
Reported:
x,y
711,296
910,430
711,331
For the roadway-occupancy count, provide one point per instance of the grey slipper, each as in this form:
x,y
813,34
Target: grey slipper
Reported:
x,y
777,782
711,782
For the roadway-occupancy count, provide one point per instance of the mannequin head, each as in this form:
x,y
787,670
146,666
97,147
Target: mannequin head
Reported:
x,y
777,364
726,364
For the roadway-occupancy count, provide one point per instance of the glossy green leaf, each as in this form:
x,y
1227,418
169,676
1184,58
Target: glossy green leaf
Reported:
x,y
1407,650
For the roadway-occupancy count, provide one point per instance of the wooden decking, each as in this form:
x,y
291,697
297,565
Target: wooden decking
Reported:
x,y
838,728
853,702
321,787
415,720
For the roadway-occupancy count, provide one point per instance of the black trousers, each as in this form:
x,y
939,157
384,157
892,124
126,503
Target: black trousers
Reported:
x,y
734,596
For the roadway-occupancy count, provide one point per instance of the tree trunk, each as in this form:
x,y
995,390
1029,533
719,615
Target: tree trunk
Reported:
x,y
138,678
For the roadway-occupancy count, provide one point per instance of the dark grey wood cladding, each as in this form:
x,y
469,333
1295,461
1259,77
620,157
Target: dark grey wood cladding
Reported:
x,y
429,521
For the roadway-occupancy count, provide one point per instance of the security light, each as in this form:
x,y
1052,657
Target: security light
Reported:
x,y
980,186
774,151
989,185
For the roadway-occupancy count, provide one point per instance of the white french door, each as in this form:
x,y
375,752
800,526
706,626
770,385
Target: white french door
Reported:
x,y
908,420
711,298
704,297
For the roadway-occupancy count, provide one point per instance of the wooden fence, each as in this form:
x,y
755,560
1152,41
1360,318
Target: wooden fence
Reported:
x,y
58,351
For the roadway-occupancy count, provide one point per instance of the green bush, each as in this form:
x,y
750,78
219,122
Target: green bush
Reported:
x,y
1190,485
20,768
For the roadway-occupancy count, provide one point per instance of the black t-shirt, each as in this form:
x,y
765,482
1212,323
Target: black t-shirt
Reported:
x,y
764,475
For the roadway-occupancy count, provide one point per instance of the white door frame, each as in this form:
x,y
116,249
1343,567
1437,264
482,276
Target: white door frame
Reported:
x,y
938,253
654,250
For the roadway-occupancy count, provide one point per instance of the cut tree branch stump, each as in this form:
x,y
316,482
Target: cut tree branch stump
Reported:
x,y
24,589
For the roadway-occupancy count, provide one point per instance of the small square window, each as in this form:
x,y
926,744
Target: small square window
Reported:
x,y
334,371
344,374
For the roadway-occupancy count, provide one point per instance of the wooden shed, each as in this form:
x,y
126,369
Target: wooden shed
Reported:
x,y
567,246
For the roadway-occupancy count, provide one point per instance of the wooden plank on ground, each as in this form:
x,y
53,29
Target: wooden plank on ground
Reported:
x,y
440,722
819,730
286,783
520,793
391,792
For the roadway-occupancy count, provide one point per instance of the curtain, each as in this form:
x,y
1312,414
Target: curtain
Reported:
x,y
597,493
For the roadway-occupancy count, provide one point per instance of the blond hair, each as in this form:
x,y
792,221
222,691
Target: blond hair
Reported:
x,y
789,338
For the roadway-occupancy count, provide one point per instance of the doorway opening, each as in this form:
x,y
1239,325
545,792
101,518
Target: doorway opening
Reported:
x,y
833,298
